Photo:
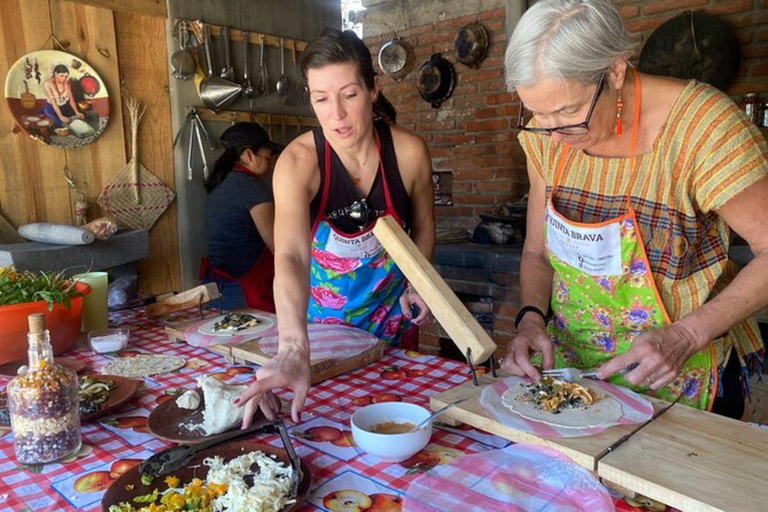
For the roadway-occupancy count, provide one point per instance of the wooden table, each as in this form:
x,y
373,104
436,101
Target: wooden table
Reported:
x,y
694,460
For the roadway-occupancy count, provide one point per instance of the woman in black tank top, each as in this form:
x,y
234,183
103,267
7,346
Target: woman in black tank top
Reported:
x,y
330,186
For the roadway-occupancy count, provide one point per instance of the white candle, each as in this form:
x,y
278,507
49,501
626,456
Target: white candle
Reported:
x,y
95,312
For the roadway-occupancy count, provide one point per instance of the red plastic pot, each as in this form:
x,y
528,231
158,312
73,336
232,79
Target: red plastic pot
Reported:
x,y
63,323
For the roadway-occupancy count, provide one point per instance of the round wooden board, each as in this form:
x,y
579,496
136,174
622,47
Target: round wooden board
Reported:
x,y
124,391
166,420
118,491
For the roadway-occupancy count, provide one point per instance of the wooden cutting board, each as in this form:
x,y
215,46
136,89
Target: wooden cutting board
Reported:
x,y
250,352
585,451
322,369
694,460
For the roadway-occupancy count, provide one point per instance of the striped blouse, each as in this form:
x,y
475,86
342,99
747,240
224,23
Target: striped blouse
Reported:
x,y
707,152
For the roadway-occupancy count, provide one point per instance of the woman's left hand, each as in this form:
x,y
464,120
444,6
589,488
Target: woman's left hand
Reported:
x,y
411,298
80,115
659,353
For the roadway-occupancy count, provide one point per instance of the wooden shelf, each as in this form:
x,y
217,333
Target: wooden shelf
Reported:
x,y
236,34
237,116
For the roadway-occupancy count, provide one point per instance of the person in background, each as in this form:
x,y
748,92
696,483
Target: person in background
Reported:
x,y
635,183
239,213
331,185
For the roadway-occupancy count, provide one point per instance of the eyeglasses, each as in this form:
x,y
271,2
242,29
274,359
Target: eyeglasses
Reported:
x,y
523,117
360,212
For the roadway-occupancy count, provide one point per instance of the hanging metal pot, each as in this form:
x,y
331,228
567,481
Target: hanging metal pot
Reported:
x,y
394,57
693,45
436,80
471,44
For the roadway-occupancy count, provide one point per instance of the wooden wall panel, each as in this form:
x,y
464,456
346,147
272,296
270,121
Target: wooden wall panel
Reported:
x,y
89,32
141,48
28,190
32,186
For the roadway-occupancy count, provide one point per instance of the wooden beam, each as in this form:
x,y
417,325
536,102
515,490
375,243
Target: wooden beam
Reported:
x,y
446,307
149,7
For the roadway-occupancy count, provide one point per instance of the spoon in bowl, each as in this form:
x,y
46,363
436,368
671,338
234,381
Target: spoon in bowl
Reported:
x,y
437,413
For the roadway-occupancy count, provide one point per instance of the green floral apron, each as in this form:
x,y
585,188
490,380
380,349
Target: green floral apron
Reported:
x,y
604,295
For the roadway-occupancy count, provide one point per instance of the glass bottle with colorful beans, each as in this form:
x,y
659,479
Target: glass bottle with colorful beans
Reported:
x,y
44,403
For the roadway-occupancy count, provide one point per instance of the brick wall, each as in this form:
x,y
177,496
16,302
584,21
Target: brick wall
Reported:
x,y
471,136
748,18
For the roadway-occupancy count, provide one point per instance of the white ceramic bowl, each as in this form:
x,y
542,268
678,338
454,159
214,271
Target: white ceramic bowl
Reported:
x,y
390,447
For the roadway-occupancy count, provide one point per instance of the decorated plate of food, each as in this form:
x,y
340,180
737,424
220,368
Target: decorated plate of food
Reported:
x,y
564,404
241,475
236,323
200,414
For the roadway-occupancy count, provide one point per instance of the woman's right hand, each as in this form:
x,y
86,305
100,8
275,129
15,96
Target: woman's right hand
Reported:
x,y
531,338
288,369
66,121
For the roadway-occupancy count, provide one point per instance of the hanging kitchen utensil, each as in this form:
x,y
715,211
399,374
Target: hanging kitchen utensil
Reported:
x,y
471,44
183,62
283,83
227,71
262,81
248,91
216,92
693,45
76,88
135,197
436,80
190,148
210,140
203,158
298,94
394,58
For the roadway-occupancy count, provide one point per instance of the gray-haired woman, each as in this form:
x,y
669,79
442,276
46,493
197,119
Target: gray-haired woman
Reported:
x,y
635,182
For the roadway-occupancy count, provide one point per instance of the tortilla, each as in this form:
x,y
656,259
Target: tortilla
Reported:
x,y
143,365
605,410
210,327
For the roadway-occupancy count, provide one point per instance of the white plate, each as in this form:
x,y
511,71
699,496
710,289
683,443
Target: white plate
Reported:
x,y
266,323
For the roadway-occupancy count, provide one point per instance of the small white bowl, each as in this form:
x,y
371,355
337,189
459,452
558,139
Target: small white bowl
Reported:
x,y
391,447
109,340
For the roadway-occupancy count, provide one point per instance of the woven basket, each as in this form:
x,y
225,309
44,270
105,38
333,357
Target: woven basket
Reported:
x,y
136,198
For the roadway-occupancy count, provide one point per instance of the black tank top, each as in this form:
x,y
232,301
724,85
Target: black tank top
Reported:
x,y
342,192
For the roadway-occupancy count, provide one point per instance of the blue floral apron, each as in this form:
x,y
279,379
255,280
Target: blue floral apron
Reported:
x,y
352,279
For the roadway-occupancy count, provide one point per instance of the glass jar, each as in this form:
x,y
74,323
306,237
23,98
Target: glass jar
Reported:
x,y
44,403
751,104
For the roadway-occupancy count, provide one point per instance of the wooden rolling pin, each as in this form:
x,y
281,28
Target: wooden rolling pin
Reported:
x,y
59,234
448,310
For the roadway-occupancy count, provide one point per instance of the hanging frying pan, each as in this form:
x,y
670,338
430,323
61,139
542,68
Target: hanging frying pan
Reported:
x,y
693,45
436,80
394,57
471,44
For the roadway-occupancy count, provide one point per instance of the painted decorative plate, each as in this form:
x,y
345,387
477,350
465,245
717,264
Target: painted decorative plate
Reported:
x,y
57,98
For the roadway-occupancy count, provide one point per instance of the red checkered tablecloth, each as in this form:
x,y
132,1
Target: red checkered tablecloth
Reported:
x,y
322,439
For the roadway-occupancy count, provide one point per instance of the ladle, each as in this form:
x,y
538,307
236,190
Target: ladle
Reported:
x,y
248,91
227,71
284,83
